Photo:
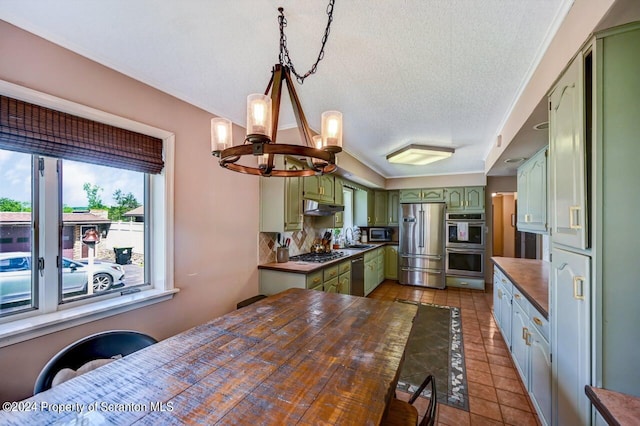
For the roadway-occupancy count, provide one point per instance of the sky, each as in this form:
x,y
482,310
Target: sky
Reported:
x,y
15,180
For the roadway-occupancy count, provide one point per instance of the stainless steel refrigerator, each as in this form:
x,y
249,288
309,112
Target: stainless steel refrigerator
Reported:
x,y
422,238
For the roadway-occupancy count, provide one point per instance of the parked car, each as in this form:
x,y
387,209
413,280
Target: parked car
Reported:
x,y
15,276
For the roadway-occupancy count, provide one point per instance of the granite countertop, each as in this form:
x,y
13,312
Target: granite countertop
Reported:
x,y
531,277
308,267
615,407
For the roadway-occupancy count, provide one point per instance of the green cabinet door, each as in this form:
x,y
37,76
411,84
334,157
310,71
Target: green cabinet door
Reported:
x,y
410,195
344,283
532,194
391,262
567,158
331,286
371,207
474,198
293,201
454,198
380,265
312,188
370,275
393,207
433,195
338,195
327,189
380,208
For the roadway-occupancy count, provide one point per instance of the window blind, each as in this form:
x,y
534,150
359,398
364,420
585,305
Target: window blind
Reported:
x,y
34,129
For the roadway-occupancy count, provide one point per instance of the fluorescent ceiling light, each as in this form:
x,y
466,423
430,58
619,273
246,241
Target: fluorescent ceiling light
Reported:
x,y
419,155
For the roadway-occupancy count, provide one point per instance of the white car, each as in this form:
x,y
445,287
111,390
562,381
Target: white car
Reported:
x,y
15,276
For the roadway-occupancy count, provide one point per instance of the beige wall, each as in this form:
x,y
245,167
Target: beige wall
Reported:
x,y
216,211
470,179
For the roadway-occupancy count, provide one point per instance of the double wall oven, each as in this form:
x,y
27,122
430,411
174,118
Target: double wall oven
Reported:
x,y
465,244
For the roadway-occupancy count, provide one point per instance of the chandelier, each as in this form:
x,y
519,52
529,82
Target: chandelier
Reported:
x,y
262,124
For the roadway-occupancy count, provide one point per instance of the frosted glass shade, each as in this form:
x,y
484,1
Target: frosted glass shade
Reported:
x,y
331,129
221,134
259,115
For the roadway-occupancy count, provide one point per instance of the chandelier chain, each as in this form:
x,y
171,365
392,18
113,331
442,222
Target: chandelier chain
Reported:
x,y
285,58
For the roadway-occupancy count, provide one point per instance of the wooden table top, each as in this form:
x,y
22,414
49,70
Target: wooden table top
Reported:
x,y
298,357
531,276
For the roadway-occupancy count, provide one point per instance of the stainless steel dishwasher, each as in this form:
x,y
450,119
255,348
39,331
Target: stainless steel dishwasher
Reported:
x,y
357,276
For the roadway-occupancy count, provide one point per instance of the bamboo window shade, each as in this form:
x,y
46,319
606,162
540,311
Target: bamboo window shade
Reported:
x,y
34,129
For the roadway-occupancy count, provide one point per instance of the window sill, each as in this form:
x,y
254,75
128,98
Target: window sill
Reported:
x,y
32,327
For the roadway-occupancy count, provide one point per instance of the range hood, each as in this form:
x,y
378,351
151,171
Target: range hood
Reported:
x,y
313,208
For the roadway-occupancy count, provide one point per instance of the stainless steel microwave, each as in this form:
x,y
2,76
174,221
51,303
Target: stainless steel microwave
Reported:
x,y
379,234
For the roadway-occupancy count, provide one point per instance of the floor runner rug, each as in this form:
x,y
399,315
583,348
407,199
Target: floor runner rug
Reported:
x,y
435,347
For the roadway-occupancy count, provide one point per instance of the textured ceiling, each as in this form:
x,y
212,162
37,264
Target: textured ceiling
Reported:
x,y
440,72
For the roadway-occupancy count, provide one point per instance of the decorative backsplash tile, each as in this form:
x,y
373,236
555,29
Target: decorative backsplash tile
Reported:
x,y
301,241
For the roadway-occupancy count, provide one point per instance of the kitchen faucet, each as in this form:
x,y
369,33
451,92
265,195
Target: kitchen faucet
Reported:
x,y
346,236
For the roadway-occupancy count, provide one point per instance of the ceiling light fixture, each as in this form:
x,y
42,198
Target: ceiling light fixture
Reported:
x,y
419,155
262,124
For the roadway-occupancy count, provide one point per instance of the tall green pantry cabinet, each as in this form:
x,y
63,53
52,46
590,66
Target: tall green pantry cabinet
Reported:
x,y
594,147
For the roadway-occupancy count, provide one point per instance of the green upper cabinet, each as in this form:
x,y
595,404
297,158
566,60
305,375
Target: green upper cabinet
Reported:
x,y
468,198
410,195
567,158
428,195
381,208
393,207
281,201
319,188
338,196
371,207
433,195
532,194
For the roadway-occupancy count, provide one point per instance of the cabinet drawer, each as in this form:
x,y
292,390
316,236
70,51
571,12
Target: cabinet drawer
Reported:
x,y
370,255
314,279
473,283
506,284
521,300
344,267
539,322
330,273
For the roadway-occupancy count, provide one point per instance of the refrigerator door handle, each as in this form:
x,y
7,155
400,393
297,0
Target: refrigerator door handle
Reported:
x,y
422,256
431,271
421,244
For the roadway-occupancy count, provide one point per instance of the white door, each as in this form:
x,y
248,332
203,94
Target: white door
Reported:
x,y
571,337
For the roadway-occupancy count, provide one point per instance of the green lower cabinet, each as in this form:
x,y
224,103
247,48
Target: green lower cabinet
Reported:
x,y
370,273
331,286
314,280
380,265
344,283
391,262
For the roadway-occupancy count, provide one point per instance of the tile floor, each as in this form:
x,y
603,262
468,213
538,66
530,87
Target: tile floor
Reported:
x,y
496,393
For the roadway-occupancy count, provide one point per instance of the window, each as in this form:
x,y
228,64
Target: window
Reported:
x,y
75,221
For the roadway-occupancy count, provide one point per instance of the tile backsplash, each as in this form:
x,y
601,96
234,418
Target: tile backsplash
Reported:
x,y
301,241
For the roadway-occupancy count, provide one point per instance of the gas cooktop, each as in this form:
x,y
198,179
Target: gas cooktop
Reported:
x,y
317,257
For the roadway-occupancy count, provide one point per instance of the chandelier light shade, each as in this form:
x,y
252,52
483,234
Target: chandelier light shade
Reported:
x,y
263,110
419,155
258,117
221,134
331,130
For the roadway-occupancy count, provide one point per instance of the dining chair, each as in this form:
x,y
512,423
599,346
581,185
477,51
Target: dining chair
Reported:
x,y
107,345
404,413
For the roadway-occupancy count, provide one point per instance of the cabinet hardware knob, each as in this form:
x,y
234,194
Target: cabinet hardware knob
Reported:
x,y
525,331
517,296
537,320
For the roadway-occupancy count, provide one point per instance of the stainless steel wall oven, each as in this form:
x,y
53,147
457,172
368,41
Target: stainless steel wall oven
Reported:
x,y
465,262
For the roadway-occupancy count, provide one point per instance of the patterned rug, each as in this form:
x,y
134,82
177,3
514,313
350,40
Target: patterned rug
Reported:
x,y
435,347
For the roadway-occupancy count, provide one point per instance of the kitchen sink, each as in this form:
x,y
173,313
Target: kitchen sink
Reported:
x,y
361,246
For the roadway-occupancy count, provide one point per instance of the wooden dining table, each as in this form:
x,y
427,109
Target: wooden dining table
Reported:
x,y
297,357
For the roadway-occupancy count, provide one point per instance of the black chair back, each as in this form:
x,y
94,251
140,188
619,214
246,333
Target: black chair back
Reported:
x,y
97,346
